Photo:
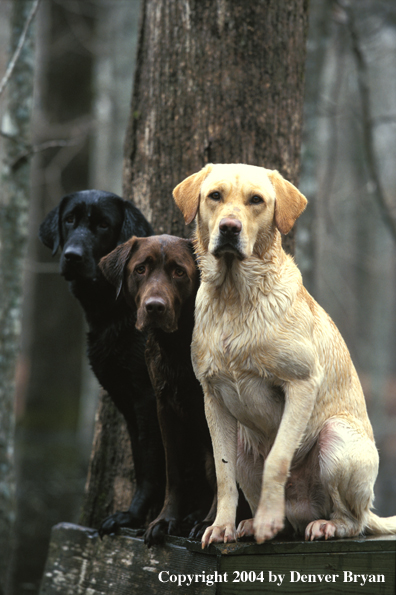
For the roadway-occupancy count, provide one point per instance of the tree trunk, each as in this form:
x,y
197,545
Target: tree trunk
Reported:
x,y
14,203
110,481
50,461
215,82
320,20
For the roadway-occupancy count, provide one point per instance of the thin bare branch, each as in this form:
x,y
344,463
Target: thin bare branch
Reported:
x,y
8,136
19,47
367,123
51,144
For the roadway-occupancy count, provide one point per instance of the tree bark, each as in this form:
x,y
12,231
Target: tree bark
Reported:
x,y
14,204
215,81
48,391
320,20
110,481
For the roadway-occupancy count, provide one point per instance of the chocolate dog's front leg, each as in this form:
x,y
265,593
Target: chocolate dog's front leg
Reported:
x,y
223,432
169,519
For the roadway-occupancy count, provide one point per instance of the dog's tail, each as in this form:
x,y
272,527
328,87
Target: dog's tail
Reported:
x,y
376,525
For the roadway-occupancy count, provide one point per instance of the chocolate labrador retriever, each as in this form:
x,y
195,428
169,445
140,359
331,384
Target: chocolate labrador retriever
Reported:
x,y
86,226
158,277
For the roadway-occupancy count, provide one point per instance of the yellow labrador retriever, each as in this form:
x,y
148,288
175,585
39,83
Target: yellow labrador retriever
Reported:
x,y
283,401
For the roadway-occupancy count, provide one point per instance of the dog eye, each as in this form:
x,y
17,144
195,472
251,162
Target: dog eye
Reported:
x,y
69,219
104,225
141,269
215,195
256,200
179,272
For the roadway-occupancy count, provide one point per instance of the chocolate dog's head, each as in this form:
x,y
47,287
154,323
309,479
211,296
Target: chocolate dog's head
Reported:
x,y
87,225
158,276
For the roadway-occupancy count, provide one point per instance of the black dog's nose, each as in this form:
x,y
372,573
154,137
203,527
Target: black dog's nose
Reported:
x,y
230,227
73,254
155,306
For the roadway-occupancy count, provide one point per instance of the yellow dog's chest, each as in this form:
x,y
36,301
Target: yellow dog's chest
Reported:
x,y
229,354
229,344
256,402
233,337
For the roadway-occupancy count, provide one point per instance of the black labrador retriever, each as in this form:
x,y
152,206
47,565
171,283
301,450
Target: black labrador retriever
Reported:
x,y
158,277
86,226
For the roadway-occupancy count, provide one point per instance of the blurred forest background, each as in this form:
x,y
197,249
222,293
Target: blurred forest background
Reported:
x,y
83,72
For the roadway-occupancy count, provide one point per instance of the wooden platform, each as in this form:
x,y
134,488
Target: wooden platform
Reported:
x,y
79,562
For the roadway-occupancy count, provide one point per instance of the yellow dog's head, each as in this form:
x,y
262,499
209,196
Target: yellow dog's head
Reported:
x,y
238,207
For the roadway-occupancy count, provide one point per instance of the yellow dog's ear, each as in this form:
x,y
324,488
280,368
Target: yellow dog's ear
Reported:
x,y
187,193
289,202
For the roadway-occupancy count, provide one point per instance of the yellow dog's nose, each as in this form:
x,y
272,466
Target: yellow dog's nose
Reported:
x,y
230,227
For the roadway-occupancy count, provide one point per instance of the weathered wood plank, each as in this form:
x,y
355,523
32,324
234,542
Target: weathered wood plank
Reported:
x,y
80,563
383,543
302,564
327,573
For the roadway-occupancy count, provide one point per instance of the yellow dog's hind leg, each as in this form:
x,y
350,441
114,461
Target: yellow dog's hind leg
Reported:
x,y
348,462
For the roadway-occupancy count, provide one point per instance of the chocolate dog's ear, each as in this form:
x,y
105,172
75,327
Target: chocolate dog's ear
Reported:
x,y
113,265
187,193
289,202
49,231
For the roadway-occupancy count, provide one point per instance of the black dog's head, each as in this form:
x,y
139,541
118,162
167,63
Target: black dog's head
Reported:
x,y
88,225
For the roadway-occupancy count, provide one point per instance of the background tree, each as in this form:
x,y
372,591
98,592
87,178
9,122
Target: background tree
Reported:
x,y
214,82
353,206
82,88
344,248
14,201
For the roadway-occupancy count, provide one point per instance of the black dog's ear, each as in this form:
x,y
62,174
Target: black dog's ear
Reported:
x,y
49,231
135,224
113,265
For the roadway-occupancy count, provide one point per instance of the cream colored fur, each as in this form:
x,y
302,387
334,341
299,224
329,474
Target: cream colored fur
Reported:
x,y
283,401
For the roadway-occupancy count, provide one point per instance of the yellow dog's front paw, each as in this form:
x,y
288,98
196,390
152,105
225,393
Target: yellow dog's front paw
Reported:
x,y
320,529
219,534
245,529
267,526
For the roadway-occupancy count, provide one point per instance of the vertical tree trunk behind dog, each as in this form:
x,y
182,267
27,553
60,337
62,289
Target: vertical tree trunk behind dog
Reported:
x,y
215,82
14,207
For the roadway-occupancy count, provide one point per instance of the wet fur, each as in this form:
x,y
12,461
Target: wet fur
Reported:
x,y
282,398
170,278
91,223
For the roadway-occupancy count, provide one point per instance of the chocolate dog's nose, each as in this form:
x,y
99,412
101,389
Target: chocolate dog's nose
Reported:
x,y
230,227
73,254
155,306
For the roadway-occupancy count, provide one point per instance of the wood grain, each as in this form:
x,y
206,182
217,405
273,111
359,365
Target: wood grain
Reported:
x,y
80,563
